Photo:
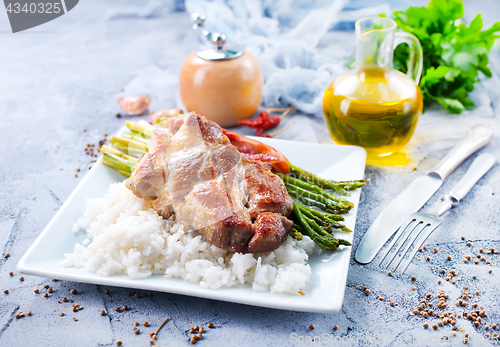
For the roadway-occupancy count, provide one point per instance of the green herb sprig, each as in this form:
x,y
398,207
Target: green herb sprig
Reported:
x,y
454,53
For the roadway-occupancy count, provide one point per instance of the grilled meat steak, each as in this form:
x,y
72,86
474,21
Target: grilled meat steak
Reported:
x,y
199,176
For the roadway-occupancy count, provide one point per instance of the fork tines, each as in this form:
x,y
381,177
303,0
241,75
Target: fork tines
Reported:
x,y
413,232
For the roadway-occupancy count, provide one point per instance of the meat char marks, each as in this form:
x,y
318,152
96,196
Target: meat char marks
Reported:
x,y
198,175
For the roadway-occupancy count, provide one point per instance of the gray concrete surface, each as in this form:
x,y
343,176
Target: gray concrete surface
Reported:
x,y
66,75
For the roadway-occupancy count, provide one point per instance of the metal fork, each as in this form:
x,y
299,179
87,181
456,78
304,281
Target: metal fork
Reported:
x,y
417,228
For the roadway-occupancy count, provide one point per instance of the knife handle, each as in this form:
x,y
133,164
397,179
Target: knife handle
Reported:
x,y
477,137
481,165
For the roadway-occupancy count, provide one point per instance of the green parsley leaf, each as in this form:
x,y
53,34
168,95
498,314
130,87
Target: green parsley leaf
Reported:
x,y
454,53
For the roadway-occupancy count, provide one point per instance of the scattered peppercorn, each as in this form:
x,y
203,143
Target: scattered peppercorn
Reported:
x,y
193,339
49,290
45,295
413,288
367,291
117,309
413,278
312,327
74,291
210,325
118,343
426,325
381,297
106,291
435,250
202,330
6,291
391,303
490,271
137,331
137,295
199,336
11,273
469,244
61,314
21,278
449,257
29,313
7,255
124,307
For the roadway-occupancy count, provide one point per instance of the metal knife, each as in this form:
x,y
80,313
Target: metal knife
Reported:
x,y
418,192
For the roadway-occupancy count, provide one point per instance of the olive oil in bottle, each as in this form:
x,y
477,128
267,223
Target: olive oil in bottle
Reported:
x,y
374,108
373,105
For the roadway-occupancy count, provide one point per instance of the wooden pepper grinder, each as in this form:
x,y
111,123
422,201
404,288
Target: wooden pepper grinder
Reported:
x,y
222,82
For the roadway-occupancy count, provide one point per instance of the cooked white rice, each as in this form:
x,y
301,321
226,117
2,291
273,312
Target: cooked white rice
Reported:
x,y
126,236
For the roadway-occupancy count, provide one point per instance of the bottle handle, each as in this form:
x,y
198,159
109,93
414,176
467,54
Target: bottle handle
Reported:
x,y
416,56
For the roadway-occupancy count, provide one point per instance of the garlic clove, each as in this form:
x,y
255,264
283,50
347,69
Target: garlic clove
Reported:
x,y
134,105
164,114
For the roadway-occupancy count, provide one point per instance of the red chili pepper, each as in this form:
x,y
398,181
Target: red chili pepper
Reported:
x,y
252,123
264,115
257,122
268,123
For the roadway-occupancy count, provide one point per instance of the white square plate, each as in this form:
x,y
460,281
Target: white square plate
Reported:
x,y
323,293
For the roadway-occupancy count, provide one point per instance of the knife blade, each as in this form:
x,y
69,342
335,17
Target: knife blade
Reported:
x,y
413,197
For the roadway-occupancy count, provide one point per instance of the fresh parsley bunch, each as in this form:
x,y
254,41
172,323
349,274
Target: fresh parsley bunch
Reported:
x,y
454,53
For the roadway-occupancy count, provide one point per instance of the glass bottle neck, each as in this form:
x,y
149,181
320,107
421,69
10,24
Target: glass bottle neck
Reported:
x,y
374,50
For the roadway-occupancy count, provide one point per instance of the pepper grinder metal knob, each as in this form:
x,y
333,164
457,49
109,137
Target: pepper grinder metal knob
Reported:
x,y
198,20
198,25
218,40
